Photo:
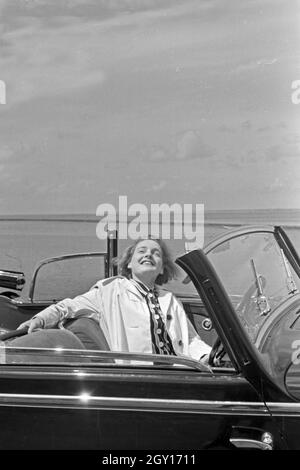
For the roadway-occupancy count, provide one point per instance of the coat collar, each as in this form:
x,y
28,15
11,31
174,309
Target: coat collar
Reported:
x,y
164,296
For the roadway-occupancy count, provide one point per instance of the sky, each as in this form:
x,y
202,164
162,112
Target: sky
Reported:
x,y
162,101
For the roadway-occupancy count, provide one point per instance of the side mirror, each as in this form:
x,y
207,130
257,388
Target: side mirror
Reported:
x,y
12,280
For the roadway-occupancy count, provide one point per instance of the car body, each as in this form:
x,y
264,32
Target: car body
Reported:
x,y
241,292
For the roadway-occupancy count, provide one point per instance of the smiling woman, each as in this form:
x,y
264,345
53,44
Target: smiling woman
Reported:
x,y
146,253
132,312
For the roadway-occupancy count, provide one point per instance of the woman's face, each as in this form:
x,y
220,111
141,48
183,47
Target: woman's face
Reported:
x,y
146,262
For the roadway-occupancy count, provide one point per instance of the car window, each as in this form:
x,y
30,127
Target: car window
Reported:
x,y
67,276
256,275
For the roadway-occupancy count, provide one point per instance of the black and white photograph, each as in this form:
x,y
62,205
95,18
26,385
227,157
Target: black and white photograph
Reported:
x,y
149,228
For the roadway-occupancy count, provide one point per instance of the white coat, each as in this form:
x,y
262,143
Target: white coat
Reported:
x,y
124,317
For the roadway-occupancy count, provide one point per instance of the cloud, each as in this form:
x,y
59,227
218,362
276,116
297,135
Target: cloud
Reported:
x,y
292,138
158,154
3,4
5,153
190,146
282,125
134,4
246,125
276,185
282,152
158,186
51,65
267,61
101,9
225,128
43,57
88,44
119,58
234,161
254,65
264,129
6,157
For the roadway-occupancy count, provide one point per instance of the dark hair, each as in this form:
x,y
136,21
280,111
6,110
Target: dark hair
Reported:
x,y
169,267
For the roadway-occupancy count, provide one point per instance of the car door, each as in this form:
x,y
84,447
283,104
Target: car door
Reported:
x,y
49,400
249,282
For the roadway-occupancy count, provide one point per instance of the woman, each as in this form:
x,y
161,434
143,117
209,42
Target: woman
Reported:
x,y
134,314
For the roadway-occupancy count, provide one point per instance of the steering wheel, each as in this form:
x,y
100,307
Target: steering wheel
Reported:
x,y
243,309
217,354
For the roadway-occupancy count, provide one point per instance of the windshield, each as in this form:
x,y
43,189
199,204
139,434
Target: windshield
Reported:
x,y
256,275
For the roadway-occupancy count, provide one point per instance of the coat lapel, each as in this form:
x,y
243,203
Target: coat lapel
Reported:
x,y
164,298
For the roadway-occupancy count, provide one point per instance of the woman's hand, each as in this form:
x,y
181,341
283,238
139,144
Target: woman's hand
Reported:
x,y
33,324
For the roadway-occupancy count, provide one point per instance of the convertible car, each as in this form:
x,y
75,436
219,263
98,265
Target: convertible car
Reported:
x,y
241,292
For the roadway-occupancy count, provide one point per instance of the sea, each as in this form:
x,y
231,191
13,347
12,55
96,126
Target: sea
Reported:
x,y
25,240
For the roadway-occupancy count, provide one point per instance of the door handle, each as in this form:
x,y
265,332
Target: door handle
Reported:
x,y
250,444
251,438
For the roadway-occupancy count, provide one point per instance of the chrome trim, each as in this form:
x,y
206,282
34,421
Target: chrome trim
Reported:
x,y
207,324
111,268
241,230
12,279
284,409
19,302
104,371
84,400
160,359
250,444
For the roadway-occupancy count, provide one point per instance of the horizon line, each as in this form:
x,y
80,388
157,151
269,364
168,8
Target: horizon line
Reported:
x,y
91,214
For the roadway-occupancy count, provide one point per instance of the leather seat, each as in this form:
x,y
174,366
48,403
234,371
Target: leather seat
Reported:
x,y
89,333
49,339
80,333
